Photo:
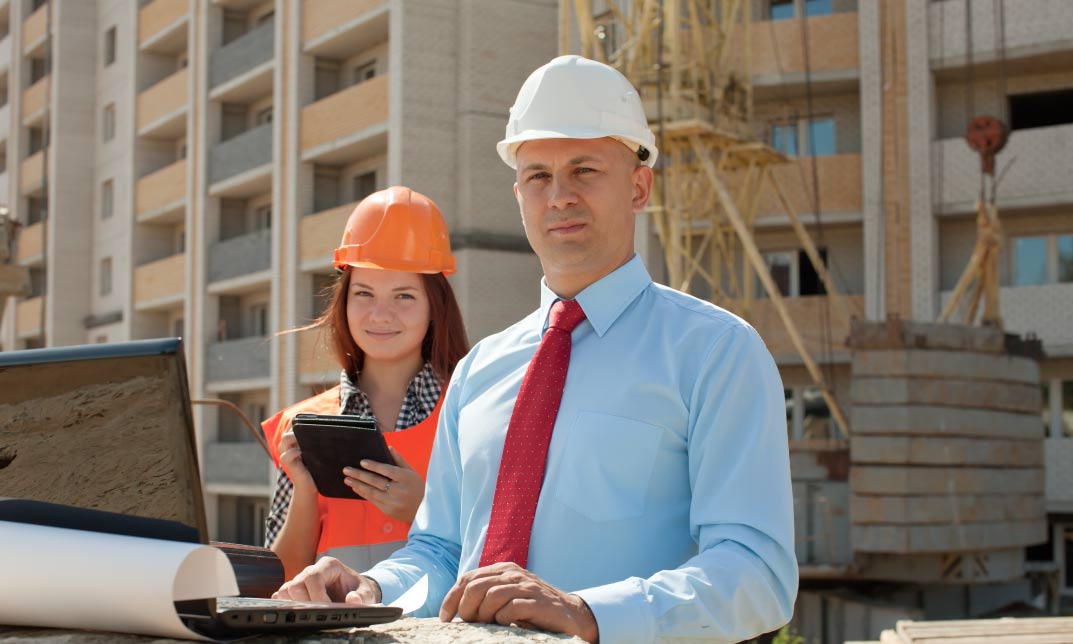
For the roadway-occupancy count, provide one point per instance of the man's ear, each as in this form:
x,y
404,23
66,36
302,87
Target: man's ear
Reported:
x,y
641,179
518,198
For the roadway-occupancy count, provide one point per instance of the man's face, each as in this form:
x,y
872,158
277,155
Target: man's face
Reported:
x,y
578,200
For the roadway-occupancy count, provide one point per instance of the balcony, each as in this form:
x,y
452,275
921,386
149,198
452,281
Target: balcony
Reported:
x,y
162,26
241,70
1039,175
162,107
318,235
839,178
33,29
236,464
160,284
315,359
337,28
1036,28
348,125
238,360
35,101
240,256
28,318
778,53
32,173
765,319
1058,453
1045,310
160,197
31,244
247,157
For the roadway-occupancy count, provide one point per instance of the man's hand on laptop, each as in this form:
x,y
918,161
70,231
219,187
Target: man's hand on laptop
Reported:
x,y
329,580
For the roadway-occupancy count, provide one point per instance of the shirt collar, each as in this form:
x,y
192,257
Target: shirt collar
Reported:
x,y
604,300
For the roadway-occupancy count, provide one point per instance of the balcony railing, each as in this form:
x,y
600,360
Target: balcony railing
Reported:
x,y
162,280
322,17
236,464
769,325
28,317
158,17
249,150
318,233
32,172
1040,27
1039,176
778,46
242,255
344,113
242,359
33,28
243,54
31,242
839,178
161,189
1045,310
166,98
1059,467
35,97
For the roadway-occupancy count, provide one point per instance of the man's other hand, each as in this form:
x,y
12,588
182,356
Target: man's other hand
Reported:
x,y
505,593
329,580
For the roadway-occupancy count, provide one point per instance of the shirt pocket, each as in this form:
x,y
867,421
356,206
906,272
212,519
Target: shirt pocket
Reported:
x,y
607,465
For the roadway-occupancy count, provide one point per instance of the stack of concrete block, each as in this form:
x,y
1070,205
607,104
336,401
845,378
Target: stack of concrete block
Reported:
x,y
946,450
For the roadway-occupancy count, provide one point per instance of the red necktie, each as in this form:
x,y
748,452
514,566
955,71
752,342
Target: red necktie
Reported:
x,y
525,451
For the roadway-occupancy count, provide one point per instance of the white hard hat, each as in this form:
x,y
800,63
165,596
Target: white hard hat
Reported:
x,y
576,98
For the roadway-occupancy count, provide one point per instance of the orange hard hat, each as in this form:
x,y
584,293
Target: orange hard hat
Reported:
x,y
396,229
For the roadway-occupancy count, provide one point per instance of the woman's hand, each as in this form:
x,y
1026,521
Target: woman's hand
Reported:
x,y
394,490
290,457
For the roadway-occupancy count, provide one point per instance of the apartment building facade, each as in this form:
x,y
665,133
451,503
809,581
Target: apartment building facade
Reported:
x,y
874,98
186,167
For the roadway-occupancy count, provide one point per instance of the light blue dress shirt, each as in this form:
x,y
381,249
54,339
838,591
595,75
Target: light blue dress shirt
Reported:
x,y
666,502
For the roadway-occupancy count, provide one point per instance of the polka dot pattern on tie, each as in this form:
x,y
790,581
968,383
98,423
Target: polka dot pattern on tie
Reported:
x,y
525,451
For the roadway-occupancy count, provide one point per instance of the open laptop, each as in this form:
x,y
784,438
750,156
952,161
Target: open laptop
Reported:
x,y
105,431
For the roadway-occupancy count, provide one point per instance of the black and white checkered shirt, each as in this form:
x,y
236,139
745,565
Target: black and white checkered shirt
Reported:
x,y
421,398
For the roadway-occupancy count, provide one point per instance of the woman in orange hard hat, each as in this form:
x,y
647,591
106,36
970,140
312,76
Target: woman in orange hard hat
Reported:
x,y
397,333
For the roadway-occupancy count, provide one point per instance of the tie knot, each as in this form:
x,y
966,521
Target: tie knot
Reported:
x,y
565,315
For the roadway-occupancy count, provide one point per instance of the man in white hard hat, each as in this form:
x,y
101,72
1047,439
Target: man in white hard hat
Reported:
x,y
614,465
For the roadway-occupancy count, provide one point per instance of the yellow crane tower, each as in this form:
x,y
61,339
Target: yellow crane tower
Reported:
x,y
689,60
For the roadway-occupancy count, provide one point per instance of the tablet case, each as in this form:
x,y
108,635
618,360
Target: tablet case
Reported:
x,y
330,443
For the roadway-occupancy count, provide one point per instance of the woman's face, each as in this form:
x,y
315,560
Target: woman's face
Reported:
x,y
388,313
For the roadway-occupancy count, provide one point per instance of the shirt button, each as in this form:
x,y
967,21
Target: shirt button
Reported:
x,y
388,528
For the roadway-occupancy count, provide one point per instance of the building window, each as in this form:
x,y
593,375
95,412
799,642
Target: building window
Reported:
x,y
259,319
1042,259
36,209
781,9
109,46
179,241
821,137
364,72
784,138
37,140
36,4
793,273
106,276
108,126
364,185
39,68
3,157
263,116
807,414
1058,408
107,199
786,9
261,218
1041,109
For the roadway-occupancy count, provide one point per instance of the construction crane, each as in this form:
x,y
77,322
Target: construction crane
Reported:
x,y
689,59
14,280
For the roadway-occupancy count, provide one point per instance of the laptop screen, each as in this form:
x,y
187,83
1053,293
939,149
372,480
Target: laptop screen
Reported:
x,y
101,427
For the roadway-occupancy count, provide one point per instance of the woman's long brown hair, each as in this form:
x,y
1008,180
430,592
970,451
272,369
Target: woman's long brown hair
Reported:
x,y
445,342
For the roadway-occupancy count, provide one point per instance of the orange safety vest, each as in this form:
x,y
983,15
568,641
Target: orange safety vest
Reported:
x,y
349,522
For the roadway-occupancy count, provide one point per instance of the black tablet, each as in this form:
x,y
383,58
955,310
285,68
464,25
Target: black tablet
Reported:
x,y
330,443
